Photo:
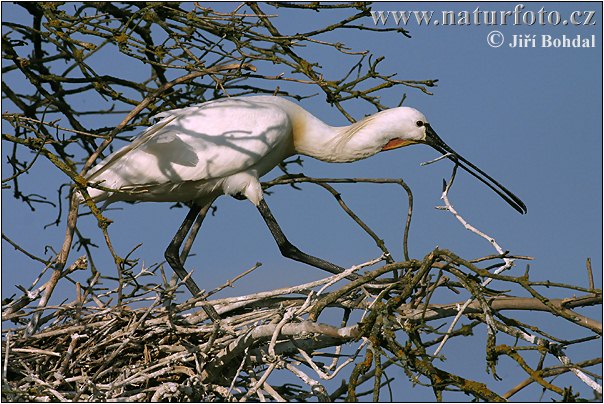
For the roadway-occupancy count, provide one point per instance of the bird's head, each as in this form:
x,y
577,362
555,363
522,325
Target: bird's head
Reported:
x,y
401,127
405,126
387,130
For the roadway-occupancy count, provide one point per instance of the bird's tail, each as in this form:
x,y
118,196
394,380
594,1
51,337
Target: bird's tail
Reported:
x,y
97,195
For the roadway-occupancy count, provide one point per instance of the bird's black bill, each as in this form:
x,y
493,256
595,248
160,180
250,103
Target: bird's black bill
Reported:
x,y
432,139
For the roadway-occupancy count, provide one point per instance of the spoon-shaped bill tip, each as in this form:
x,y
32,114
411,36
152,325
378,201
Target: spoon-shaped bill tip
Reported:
x,y
433,140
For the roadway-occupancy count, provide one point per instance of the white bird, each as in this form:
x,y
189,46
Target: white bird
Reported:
x,y
198,153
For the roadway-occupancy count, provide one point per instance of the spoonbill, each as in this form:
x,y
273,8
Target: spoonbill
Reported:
x,y
198,153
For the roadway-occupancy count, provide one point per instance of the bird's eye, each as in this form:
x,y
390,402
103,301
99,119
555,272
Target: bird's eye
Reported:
x,y
419,124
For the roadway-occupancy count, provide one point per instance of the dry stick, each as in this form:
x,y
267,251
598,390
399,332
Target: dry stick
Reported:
x,y
6,355
548,372
230,282
239,369
234,348
334,296
144,375
499,303
291,179
131,332
590,274
507,261
11,309
287,317
349,271
512,353
270,390
378,241
260,382
344,323
59,265
292,313
316,388
51,124
260,394
319,372
234,302
581,375
165,388
362,379
54,392
27,253
24,170
74,340
533,339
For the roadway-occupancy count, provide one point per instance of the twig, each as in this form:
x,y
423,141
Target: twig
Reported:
x,y
163,390
230,282
270,390
555,350
260,382
239,369
444,156
57,274
315,387
6,356
582,376
19,248
507,261
547,372
590,274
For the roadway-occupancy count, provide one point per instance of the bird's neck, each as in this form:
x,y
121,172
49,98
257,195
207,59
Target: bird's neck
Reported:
x,y
314,138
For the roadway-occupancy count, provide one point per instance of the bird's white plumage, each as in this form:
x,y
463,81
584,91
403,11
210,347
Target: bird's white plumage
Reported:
x,y
225,146
220,146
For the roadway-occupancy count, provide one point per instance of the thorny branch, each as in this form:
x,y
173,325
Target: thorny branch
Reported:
x,y
125,337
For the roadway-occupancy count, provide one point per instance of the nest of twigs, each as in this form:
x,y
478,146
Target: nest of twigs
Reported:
x,y
271,345
169,351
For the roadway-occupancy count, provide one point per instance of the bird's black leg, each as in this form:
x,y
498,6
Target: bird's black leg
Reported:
x,y
289,250
172,253
176,260
184,253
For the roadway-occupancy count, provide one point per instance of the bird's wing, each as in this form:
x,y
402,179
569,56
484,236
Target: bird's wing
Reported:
x,y
207,141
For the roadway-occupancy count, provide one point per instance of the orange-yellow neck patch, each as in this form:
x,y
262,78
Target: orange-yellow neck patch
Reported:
x,y
396,143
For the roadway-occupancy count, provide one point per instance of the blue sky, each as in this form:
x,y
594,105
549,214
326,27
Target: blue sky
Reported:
x,y
530,117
